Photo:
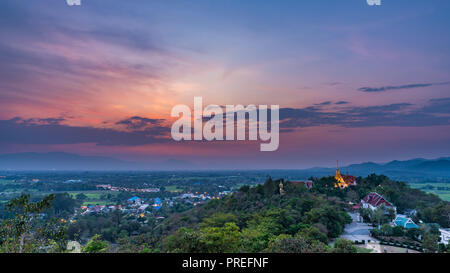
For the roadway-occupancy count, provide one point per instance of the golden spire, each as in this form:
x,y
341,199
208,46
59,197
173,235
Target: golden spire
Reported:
x,y
338,176
282,192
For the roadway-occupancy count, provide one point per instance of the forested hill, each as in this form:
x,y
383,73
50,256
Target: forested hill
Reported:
x,y
256,219
259,219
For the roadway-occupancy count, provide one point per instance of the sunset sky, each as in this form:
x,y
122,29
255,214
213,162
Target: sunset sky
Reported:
x,y
354,82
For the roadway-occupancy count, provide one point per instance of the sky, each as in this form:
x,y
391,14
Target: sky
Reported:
x,y
354,82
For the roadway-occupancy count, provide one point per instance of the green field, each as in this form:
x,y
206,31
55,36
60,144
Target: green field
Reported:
x,y
7,182
93,197
173,189
444,194
99,202
89,194
238,186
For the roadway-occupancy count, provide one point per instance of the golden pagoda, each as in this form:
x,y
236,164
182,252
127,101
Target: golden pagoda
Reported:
x,y
339,179
343,181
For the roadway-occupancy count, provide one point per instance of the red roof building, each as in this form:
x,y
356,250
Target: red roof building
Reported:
x,y
374,200
344,181
349,180
307,183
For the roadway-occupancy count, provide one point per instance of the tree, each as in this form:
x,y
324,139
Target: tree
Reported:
x,y
379,215
438,214
224,239
218,220
397,231
344,246
442,248
390,214
184,240
135,244
81,196
430,242
413,233
254,240
366,214
313,233
96,245
327,215
63,205
386,230
28,231
287,244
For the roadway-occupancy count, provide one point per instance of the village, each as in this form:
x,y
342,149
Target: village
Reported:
x,y
142,207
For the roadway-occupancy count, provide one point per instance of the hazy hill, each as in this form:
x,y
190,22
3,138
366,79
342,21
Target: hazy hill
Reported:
x,y
438,165
68,161
414,170
59,161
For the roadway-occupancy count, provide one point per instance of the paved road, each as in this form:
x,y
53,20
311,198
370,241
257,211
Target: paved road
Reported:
x,y
357,231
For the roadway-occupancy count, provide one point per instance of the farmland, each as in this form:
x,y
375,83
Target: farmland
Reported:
x,y
440,189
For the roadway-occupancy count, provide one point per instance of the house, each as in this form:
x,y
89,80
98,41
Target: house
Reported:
x,y
445,235
375,200
143,207
134,200
307,183
410,212
157,205
404,222
187,195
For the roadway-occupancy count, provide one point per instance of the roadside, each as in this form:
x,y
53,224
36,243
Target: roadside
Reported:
x,y
359,231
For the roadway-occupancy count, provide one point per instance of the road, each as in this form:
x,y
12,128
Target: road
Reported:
x,y
357,231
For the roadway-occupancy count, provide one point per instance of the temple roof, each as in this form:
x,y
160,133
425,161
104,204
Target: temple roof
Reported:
x,y
376,200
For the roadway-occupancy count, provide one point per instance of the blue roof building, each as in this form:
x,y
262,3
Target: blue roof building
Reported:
x,y
134,199
404,222
157,205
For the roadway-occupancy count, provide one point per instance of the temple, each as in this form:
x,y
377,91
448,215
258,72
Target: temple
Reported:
x,y
343,181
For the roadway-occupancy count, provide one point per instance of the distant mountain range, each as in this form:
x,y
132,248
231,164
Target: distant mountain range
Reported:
x,y
68,161
414,170
441,165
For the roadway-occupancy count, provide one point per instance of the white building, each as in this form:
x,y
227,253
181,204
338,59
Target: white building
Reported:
x,y
143,207
445,235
